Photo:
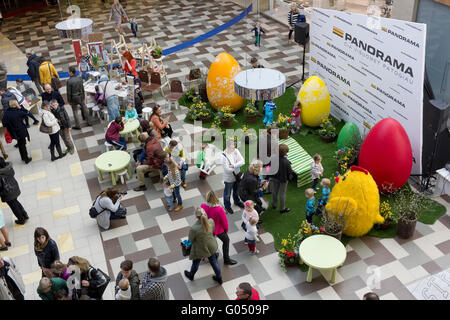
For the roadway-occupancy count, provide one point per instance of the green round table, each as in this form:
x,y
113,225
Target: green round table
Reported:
x,y
131,126
322,252
113,161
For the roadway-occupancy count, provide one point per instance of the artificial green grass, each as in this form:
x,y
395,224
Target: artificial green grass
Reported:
x,y
281,225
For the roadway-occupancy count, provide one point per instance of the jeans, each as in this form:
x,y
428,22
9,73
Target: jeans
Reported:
x,y
315,182
177,194
225,245
231,186
114,216
54,143
113,107
212,261
121,145
169,201
290,33
29,115
183,170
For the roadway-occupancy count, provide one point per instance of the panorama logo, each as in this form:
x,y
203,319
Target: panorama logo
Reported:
x,y
330,71
401,37
377,53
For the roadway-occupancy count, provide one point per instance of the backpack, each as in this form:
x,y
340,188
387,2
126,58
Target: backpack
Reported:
x,y
93,212
101,288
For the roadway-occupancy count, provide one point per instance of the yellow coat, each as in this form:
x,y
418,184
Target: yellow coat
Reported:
x,y
44,72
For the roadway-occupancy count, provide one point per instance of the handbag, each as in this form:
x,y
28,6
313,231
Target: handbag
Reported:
x,y
237,176
186,246
102,98
55,82
93,213
44,128
8,137
123,19
102,287
167,132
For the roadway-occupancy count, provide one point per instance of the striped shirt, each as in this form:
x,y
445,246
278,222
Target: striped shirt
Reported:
x,y
292,18
177,181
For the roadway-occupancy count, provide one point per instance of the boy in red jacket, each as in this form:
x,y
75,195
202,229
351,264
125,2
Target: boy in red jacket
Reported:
x,y
112,134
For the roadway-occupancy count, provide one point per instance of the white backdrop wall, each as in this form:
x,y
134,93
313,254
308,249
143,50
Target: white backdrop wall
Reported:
x,y
373,68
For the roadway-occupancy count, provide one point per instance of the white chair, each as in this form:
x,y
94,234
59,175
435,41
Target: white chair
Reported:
x,y
108,146
105,114
96,112
146,113
121,175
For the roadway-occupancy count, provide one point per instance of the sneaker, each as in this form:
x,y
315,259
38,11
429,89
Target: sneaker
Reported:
x,y
140,188
178,208
5,248
188,275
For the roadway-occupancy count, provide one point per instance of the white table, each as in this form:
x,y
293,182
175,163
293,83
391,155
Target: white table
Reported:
x,y
443,182
260,84
89,87
74,28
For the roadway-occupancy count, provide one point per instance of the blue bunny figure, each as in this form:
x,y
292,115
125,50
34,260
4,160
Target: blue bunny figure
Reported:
x,y
269,106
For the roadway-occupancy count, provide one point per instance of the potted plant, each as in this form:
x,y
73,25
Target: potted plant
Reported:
x,y
346,157
226,116
333,220
284,126
327,131
156,52
250,112
407,207
386,213
288,254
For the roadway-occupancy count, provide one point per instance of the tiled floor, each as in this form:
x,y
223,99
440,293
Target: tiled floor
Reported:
x,y
58,194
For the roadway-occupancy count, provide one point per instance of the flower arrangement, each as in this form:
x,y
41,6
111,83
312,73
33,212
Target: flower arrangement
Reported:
x,y
386,213
327,129
225,113
156,52
199,110
346,157
284,122
250,108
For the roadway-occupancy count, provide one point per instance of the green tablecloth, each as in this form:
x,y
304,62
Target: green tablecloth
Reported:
x,y
300,160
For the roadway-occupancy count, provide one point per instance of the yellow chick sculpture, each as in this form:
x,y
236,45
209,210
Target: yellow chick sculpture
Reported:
x,y
356,193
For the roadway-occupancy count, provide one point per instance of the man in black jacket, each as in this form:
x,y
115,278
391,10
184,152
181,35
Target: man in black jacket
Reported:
x,y
279,181
60,113
33,64
75,96
13,120
49,94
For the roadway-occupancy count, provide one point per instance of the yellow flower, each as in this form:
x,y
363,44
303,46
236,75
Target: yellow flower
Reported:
x,y
283,250
284,242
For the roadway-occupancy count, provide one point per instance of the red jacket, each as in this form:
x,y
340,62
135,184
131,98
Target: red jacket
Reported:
x,y
153,150
113,131
133,68
219,217
255,295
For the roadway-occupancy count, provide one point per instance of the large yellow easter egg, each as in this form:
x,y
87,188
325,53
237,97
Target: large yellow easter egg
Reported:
x,y
220,82
315,100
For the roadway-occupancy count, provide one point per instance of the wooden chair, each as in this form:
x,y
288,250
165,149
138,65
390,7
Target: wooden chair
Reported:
x,y
155,83
176,91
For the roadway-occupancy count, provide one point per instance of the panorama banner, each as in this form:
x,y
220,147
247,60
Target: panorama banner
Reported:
x,y
373,68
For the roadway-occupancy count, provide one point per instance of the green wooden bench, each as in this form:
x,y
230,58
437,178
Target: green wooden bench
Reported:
x,y
300,161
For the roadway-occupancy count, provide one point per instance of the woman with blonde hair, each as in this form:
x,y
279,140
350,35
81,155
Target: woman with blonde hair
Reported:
x,y
252,184
93,281
174,177
217,213
119,14
204,245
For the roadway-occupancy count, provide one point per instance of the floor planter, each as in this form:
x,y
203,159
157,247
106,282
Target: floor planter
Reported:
x,y
206,120
251,118
406,228
227,123
385,225
327,138
334,235
284,133
156,56
292,262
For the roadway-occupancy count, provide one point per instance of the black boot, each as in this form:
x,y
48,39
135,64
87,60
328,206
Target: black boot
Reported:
x,y
61,154
52,153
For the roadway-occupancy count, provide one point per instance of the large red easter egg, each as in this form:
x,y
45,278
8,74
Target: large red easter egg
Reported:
x,y
386,153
